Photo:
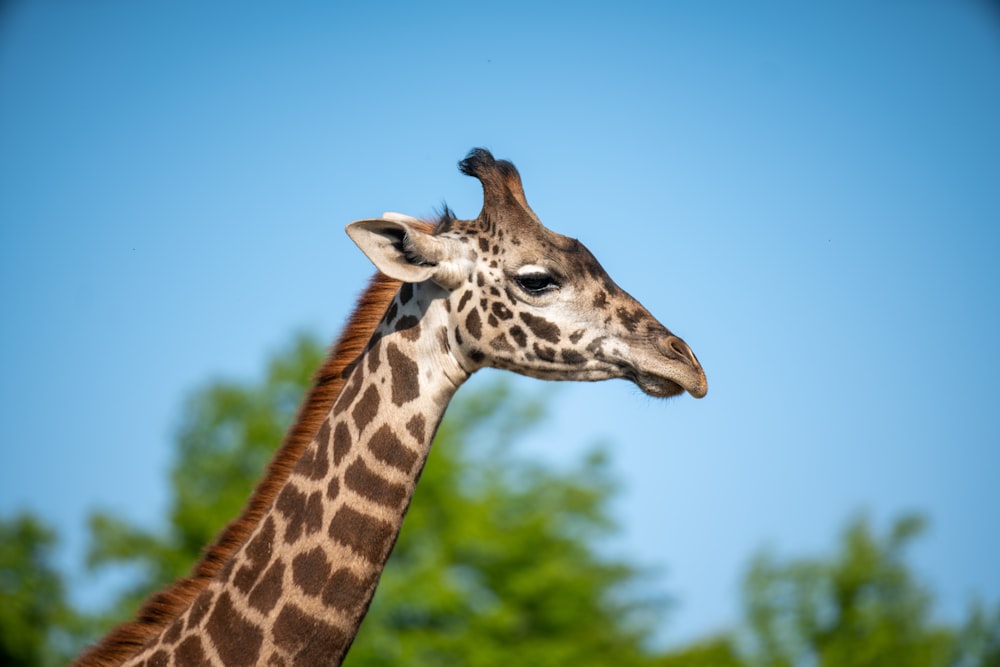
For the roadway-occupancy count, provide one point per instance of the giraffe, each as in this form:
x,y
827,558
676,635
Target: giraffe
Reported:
x,y
289,582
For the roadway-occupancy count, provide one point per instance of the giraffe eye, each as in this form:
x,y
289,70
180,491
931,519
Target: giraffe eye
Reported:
x,y
536,283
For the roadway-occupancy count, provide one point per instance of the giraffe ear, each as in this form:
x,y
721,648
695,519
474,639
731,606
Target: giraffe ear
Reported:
x,y
402,248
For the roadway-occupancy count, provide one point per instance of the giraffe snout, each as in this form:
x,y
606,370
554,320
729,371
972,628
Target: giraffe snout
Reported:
x,y
676,349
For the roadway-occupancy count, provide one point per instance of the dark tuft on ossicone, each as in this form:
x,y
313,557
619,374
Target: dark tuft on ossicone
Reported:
x,y
477,161
480,163
502,190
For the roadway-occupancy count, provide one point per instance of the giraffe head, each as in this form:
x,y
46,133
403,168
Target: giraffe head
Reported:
x,y
521,297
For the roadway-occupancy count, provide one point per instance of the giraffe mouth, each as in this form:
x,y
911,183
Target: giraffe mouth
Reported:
x,y
665,387
658,387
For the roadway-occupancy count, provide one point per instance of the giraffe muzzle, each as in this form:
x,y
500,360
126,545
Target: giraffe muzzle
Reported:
x,y
692,376
669,369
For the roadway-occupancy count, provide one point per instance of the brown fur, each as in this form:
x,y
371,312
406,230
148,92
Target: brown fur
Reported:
x,y
163,607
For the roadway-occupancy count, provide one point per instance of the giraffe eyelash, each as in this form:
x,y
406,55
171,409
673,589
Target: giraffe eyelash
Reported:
x,y
536,282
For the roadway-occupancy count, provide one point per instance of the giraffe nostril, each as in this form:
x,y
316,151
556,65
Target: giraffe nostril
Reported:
x,y
672,346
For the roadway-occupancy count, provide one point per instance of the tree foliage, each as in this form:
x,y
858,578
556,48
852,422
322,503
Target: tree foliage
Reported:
x,y
37,625
861,608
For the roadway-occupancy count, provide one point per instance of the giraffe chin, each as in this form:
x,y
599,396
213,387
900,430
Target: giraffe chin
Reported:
x,y
663,387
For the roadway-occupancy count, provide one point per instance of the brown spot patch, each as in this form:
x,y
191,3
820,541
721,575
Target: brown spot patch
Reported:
x,y
191,652
310,640
544,352
473,324
576,336
541,327
348,393
573,357
600,300
464,300
501,311
405,293
388,448
268,590
310,571
405,376
258,553
366,408
408,327
245,578
198,610
368,484
341,442
315,462
373,354
416,427
596,346
501,344
517,333
367,536
443,340
314,512
259,549
235,638
173,633
344,590
629,319
291,503
333,488
227,570
158,659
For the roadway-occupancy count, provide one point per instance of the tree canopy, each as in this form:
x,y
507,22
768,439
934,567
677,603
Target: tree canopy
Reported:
x,y
863,607
38,625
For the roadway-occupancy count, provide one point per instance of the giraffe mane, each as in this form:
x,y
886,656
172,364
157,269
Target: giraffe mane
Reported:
x,y
162,607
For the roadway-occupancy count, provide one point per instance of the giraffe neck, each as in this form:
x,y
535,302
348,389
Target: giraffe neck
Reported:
x,y
298,589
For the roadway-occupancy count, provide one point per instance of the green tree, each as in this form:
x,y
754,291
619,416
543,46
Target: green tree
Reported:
x,y
37,626
861,608
496,560
712,652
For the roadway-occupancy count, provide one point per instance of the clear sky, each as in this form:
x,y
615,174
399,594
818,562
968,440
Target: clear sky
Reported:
x,y
808,193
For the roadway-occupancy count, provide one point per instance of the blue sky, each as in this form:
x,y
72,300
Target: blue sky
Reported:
x,y
808,194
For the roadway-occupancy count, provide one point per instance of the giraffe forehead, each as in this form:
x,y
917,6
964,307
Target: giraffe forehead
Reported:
x,y
524,249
